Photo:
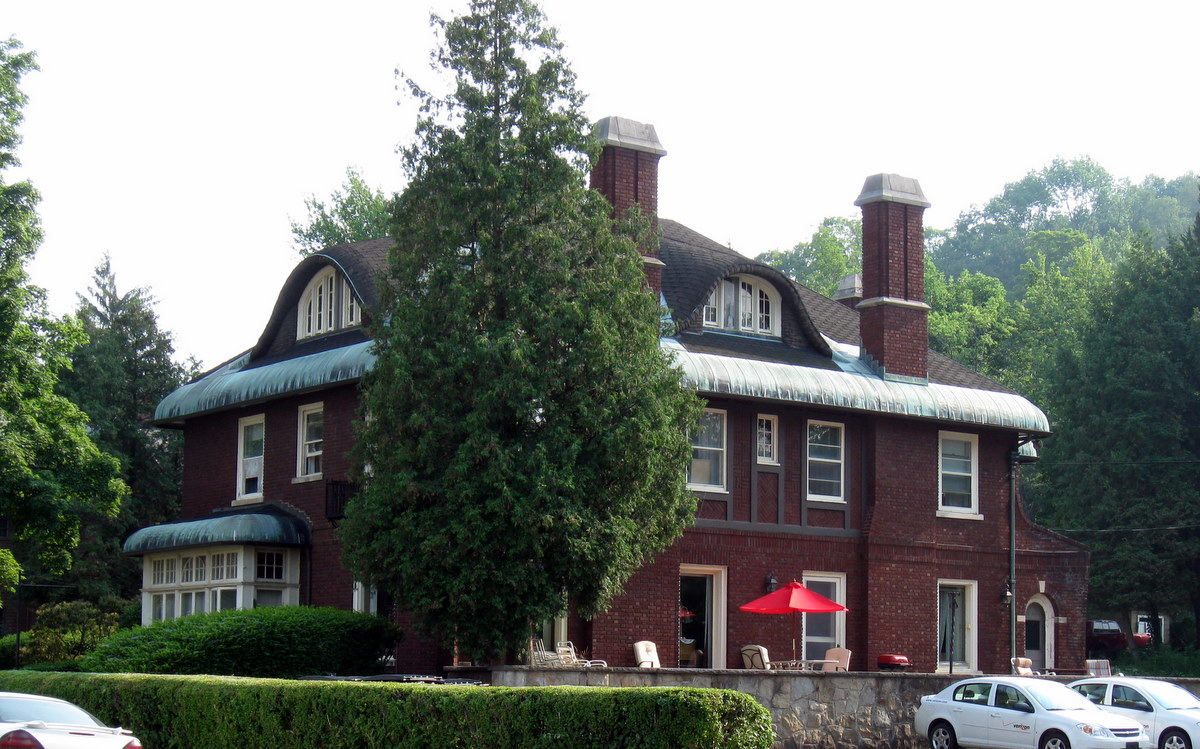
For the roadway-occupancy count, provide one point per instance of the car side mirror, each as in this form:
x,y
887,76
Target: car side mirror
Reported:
x,y
1024,707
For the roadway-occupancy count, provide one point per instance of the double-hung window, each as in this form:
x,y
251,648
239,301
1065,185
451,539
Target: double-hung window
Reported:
x,y
767,439
826,461
251,431
958,488
311,440
707,469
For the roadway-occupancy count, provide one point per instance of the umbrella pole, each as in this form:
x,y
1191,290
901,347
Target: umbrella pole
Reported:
x,y
793,635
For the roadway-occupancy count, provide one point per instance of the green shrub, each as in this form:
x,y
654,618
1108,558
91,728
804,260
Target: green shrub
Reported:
x,y
8,651
72,666
178,712
278,641
66,631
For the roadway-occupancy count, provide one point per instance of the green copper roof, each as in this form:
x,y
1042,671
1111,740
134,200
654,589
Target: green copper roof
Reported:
x,y
853,385
258,525
233,385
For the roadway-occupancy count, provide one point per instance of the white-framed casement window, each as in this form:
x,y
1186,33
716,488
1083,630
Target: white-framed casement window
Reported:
x,y
826,461
327,304
957,625
310,440
767,439
218,578
958,484
743,303
706,472
251,442
826,630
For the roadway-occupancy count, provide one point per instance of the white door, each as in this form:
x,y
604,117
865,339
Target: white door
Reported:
x,y
1035,635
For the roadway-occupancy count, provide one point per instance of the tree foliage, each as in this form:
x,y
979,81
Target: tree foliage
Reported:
x,y
117,378
526,438
50,470
352,214
834,252
1122,467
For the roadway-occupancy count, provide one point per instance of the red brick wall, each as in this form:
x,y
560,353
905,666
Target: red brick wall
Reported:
x,y
894,266
627,177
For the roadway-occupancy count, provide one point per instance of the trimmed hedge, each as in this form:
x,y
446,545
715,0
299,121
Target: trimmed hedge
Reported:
x,y
276,642
184,712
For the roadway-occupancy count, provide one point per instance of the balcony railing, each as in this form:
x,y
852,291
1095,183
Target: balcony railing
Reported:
x,y
337,495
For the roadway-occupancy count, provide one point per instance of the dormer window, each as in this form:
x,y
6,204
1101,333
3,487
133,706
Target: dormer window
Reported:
x,y
327,304
744,304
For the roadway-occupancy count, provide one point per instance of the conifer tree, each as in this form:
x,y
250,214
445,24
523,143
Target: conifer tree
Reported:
x,y
525,439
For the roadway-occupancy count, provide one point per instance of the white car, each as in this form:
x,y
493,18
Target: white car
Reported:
x,y
1169,713
1014,711
37,722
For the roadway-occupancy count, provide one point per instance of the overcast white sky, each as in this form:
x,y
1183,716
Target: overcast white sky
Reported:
x,y
180,138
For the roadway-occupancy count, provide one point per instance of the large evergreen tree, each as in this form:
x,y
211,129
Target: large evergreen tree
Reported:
x,y
117,378
525,440
50,470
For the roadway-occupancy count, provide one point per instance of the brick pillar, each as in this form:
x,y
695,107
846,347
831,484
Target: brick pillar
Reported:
x,y
627,174
893,315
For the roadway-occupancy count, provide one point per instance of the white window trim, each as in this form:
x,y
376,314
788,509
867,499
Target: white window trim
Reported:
x,y
839,621
717,488
808,460
970,625
244,579
720,597
729,309
773,458
339,307
966,513
249,497
301,443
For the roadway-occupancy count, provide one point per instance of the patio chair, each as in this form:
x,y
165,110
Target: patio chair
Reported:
x,y
1022,666
568,656
1100,667
755,656
841,655
646,654
544,658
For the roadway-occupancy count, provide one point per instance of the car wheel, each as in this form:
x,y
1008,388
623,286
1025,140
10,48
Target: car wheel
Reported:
x,y
941,736
1054,740
1174,739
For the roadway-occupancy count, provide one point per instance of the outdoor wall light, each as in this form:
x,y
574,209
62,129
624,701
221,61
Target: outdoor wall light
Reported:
x,y
771,583
1006,599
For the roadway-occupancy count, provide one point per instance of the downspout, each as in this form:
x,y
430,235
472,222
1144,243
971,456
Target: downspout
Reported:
x,y
1011,587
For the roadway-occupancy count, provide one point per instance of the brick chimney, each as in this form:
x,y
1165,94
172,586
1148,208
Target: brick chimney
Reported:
x,y
893,316
627,174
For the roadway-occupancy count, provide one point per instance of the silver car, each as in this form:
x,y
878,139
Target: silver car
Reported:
x,y
1169,713
37,722
1014,711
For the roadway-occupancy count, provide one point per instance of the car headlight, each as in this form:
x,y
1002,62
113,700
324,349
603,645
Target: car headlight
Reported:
x,y
1091,729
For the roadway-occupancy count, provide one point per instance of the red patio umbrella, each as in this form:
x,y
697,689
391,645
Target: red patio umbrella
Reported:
x,y
793,599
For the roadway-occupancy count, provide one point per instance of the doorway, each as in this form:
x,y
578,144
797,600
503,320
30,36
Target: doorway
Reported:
x,y
701,617
1039,632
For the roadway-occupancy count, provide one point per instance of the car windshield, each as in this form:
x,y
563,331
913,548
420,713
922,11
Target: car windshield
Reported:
x,y
1170,696
19,709
1054,696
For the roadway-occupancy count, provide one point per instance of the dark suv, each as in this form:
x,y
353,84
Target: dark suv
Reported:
x,y
1105,638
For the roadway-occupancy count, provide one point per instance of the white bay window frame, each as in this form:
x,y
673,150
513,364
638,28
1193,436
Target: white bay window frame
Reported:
x,y
222,577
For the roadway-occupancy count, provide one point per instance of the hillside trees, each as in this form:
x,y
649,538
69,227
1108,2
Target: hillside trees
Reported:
x,y
354,213
821,263
525,440
50,469
118,377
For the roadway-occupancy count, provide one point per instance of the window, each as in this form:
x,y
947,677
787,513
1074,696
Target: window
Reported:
x,y
827,630
707,469
956,625
163,572
217,579
269,565
224,599
768,439
825,463
743,303
958,488
250,457
192,602
224,566
311,441
327,304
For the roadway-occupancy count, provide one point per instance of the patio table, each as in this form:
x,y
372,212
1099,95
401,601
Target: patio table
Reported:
x,y
809,664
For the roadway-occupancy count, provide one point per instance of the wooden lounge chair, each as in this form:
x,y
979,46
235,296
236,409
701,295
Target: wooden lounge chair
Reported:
x,y
646,654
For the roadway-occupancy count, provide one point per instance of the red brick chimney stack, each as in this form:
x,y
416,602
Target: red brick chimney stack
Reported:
x,y
627,174
893,315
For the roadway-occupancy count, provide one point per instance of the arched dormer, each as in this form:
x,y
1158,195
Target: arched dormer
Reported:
x,y
744,303
327,304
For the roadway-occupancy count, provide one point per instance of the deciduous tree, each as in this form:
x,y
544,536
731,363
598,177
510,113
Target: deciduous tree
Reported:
x,y
525,439
352,214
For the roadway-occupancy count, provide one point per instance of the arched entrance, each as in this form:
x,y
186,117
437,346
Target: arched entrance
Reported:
x,y
1039,632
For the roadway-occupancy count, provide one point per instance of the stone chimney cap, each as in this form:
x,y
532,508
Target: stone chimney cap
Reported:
x,y
627,133
850,287
891,188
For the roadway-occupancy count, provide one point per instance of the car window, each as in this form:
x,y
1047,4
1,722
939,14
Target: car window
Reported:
x,y
1130,698
976,694
1094,692
1054,696
1011,698
19,709
1171,696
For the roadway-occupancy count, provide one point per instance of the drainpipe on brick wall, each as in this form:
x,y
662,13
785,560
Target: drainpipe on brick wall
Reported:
x,y
1012,554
